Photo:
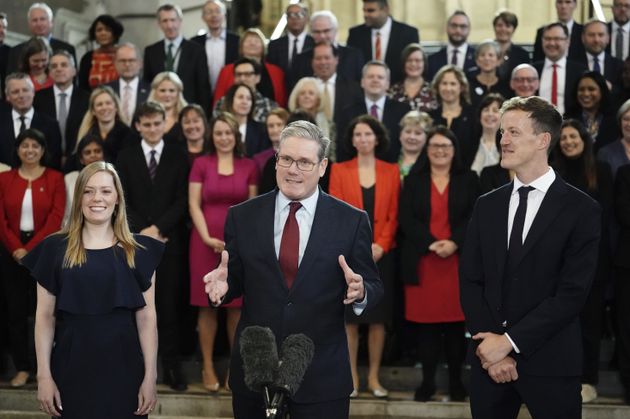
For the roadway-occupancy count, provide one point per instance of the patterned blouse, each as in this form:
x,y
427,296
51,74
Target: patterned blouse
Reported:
x,y
423,101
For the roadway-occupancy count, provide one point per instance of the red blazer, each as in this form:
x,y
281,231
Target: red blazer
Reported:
x,y
49,200
226,80
344,184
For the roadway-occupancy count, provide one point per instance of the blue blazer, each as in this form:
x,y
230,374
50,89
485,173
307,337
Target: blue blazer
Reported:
x,y
314,304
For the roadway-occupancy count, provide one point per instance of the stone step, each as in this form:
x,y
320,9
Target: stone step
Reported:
x,y
193,404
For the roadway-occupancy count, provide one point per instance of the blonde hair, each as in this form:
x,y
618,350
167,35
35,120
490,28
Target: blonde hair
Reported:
x,y
88,119
173,78
75,251
295,93
257,33
417,119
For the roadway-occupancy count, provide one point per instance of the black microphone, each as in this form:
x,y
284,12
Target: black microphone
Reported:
x,y
296,355
260,359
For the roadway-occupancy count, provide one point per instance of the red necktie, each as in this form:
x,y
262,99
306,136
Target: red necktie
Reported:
x,y
377,47
290,245
554,85
374,110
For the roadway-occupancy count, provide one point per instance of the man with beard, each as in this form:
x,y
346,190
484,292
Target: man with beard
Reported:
x,y
457,51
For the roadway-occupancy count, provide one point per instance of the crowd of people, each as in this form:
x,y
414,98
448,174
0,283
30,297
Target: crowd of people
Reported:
x,y
192,127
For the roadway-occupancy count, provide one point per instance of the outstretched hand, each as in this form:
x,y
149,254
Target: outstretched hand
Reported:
x,y
216,280
356,290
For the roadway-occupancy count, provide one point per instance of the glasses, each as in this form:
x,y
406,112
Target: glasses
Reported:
x,y
440,146
244,74
458,26
554,38
525,79
321,31
295,15
302,164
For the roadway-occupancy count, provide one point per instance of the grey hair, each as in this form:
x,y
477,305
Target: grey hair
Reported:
x,y
307,131
622,110
521,67
376,63
218,3
132,46
18,76
488,44
326,14
42,6
66,54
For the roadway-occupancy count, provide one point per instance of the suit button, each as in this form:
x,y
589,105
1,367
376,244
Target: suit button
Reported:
x,y
289,304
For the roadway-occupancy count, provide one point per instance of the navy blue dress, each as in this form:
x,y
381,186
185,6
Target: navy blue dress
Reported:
x,y
96,359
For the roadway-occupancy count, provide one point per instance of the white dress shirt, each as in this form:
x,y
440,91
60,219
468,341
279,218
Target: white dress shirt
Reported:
x,y
304,217
146,149
461,54
57,91
613,39
301,38
177,48
384,31
546,80
215,53
534,201
28,118
330,86
380,106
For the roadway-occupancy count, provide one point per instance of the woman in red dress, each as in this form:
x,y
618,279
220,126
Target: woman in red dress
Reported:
x,y
435,205
218,180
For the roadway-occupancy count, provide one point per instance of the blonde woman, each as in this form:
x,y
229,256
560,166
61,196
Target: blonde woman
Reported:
x,y
413,137
95,307
104,119
306,97
167,89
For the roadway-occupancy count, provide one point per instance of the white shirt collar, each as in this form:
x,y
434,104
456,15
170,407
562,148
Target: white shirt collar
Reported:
x,y
176,42
561,63
133,83
543,183
380,104
386,28
146,148
29,114
309,204
300,37
625,27
222,35
331,81
68,90
460,49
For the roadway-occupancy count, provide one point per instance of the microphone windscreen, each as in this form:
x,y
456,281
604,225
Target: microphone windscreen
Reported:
x,y
296,355
260,356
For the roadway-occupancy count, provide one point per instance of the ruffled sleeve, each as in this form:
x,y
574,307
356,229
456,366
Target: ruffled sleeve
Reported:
x,y
147,259
44,262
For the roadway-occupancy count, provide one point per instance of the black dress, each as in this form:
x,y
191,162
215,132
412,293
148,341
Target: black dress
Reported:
x,y
96,359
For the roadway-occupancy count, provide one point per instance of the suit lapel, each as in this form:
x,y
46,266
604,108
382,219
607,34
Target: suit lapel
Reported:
x,y
549,209
500,223
265,232
143,173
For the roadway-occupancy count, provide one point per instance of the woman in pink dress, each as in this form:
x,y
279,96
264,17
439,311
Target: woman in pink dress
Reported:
x,y
217,181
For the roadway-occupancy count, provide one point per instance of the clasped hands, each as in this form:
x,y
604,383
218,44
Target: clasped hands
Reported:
x,y
493,353
443,248
217,286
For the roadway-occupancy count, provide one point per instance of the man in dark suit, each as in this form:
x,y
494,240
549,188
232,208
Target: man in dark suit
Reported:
x,y
21,115
221,45
40,23
63,101
324,27
155,179
622,271
619,30
184,57
297,256
565,9
4,52
381,37
130,88
555,42
283,50
596,39
526,269
457,51
375,82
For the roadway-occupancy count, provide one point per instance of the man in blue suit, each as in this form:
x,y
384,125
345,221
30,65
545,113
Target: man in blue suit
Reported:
x,y
457,51
297,256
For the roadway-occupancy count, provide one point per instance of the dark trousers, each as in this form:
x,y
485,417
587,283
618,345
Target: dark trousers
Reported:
x,y
169,285
247,408
591,320
18,288
545,397
431,337
622,295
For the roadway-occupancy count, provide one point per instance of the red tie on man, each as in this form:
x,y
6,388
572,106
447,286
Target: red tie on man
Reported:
x,y
554,85
290,245
377,47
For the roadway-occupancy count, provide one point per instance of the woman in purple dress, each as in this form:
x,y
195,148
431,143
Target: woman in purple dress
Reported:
x,y
218,180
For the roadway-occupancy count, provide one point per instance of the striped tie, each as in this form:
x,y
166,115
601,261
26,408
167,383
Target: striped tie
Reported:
x,y
152,165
